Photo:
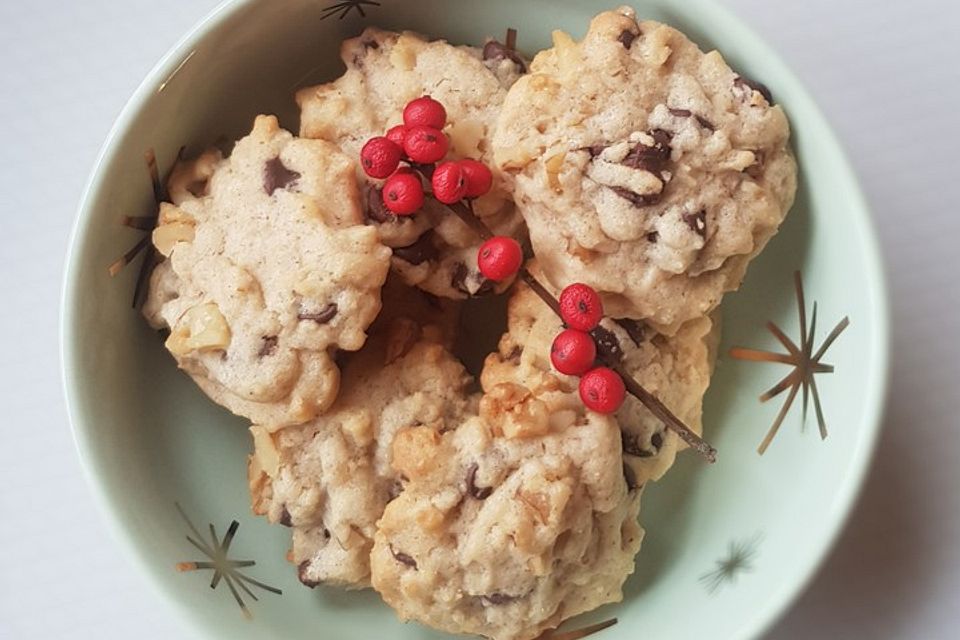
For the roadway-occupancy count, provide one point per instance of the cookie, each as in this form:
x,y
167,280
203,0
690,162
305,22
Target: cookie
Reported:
x,y
268,272
644,167
433,249
676,369
330,479
514,521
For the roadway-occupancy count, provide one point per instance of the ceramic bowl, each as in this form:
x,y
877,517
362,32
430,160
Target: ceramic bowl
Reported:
x,y
728,546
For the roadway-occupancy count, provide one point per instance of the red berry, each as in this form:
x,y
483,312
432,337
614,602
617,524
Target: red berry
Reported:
x,y
499,258
396,135
573,352
403,193
479,178
580,307
425,111
602,390
380,157
449,183
425,144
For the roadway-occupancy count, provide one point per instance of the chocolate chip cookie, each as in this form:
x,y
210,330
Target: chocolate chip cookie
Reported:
x,y
268,271
676,369
330,479
433,250
514,521
644,167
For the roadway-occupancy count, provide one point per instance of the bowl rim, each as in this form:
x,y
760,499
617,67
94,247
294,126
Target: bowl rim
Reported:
x,y
877,380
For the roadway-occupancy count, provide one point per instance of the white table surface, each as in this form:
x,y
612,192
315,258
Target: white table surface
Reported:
x,y
887,76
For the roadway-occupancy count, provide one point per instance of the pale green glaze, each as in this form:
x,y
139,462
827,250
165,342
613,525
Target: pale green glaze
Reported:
x,y
149,438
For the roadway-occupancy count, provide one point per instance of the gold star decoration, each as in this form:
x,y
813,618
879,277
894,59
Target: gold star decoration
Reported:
x,y
738,560
577,634
344,8
143,223
225,569
804,360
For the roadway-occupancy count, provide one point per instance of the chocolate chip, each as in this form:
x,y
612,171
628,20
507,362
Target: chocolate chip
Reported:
x,y
485,287
323,316
370,44
706,124
651,158
657,440
653,236
198,188
607,344
285,518
394,490
422,250
268,347
631,446
630,477
686,113
302,569
755,170
277,176
376,210
697,222
459,279
498,599
461,273
480,493
494,50
637,199
743,82
326,533
634,328
595,149
626,38
403,558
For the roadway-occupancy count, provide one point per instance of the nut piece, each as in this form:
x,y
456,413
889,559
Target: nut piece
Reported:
x,y
175,225
358,424
201,328
553,166
511,410
265,451
414,451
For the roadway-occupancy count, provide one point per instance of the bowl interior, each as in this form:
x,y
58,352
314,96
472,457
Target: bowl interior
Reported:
x,y
727,545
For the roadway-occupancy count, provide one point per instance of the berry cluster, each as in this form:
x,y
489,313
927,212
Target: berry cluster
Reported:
x,y
574,351
413,152
421,143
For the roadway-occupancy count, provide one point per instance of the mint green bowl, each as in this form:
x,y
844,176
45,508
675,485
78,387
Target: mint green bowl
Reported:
x,y
728,546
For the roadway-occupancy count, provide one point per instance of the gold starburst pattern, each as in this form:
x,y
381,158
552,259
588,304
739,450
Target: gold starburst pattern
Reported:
x,y
738,560
224,569
804,360
577,634
143,223
344,8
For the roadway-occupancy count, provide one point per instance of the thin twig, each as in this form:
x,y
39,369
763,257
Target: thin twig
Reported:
x,y
651,402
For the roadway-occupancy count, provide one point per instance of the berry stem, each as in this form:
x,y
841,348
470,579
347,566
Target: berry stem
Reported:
x,y
614,361
540,290
660,410
465,213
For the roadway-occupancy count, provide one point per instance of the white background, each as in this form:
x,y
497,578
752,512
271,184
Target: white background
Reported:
x,y
885,73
